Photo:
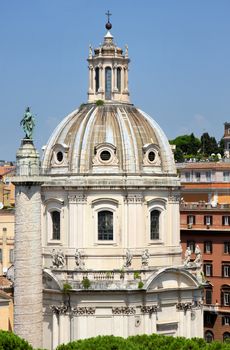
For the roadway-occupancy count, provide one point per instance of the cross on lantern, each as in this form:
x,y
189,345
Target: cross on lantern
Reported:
x,y
108,14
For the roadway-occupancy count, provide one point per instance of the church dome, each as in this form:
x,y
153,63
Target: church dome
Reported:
x,y
112,138
108,134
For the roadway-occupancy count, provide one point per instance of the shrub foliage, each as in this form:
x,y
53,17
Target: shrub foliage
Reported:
x,y
143,342
9,341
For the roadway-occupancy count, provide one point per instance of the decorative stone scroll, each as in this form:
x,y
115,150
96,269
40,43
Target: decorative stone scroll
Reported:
x,y
59,309
83,310
123,310
149,309
183,306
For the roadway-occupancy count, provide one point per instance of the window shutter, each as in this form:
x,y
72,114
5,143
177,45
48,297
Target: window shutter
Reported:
x,y
223,320
210,220
223,220
187,219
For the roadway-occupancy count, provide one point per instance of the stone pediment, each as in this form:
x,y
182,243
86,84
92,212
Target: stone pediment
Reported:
x,y
171,278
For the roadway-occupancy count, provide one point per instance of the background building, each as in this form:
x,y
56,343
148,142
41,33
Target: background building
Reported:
x,y
7,201
205,220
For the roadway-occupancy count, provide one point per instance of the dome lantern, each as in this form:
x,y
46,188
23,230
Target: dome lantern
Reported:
x,y
108,71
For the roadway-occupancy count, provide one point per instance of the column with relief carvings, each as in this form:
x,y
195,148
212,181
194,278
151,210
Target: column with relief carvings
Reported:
x,y
28,317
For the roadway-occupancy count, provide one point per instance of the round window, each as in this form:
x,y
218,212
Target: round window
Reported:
x,y
60,156
105,155
151,156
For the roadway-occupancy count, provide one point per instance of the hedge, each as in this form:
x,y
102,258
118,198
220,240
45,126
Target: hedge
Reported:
x,y
10,341
143,342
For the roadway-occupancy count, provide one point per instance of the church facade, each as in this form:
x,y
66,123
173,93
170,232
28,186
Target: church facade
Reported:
x,y
97,246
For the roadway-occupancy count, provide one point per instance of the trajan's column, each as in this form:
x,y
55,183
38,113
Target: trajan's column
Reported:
x,y
28,257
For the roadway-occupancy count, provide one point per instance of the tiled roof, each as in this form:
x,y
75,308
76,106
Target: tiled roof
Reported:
x,y
5,283
6,170
204,165
4,295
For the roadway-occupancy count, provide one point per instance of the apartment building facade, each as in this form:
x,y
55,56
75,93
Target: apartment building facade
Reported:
x,y
205,220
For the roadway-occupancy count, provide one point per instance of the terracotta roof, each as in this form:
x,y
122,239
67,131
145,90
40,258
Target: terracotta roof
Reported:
x,y
5,283
6,170
205,165
4,295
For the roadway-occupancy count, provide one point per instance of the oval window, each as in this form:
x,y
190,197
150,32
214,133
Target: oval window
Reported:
x,y
151,156
105,155
60,156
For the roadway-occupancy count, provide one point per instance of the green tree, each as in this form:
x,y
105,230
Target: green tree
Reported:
x,y
208,144
186,145
221,147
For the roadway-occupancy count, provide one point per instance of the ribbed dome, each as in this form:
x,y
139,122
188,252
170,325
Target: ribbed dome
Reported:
x,y
112,138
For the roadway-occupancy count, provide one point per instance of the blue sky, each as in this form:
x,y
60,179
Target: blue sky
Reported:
x,y
179,71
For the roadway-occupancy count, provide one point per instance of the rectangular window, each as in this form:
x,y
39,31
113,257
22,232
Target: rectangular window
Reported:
x,y
56,217
208,269
154,224
105,225
208,247
187,176
11,255
226,247
191,219
226,320
197,176
225,270
0,255
191,245
226,176
225,220
208,296
208,220
208,176
226,297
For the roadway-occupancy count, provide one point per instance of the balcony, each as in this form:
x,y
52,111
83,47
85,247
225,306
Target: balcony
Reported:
x,y
188,206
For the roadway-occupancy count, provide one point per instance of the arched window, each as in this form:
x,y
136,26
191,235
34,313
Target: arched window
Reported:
x,y
55,216
119,79
226,337
154,224
108,83
105,225
97,79
208,336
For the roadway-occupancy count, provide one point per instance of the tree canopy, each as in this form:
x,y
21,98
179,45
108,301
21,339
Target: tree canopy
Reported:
x,y
190,146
